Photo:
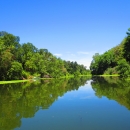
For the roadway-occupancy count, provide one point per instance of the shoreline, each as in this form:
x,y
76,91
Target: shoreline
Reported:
x,y
26,80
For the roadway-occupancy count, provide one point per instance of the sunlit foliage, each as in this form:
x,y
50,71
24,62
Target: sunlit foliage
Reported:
x,y
113,61
20,61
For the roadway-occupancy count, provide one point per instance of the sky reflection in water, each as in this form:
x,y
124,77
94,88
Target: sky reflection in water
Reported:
x,y
80,110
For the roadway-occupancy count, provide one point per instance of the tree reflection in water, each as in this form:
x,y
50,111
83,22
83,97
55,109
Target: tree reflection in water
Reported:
x,y
23,100
113,88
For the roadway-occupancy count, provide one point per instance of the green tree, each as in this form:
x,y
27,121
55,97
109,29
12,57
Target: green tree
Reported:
x,y
15,71
28,50
5,63
8,49
127,47
108,61
94,66
123,68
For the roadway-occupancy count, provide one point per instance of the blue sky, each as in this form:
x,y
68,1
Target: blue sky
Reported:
x,y
71,29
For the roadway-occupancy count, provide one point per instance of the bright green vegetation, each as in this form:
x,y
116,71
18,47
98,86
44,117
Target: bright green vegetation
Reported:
x,y
12,81
23,100
112,88
114,61
24,61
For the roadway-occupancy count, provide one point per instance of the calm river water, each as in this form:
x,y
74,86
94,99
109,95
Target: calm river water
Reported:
x,y
74,104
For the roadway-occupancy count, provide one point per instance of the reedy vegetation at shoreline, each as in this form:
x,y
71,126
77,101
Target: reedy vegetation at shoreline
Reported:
x,y
24,61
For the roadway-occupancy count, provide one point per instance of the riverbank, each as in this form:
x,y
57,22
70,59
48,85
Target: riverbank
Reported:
x,y
13,81
34,79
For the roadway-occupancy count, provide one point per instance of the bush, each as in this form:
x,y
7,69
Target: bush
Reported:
x,y
123,68
25,74
15,71
111,71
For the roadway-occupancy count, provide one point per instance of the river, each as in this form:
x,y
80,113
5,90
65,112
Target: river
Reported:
x,y
62,104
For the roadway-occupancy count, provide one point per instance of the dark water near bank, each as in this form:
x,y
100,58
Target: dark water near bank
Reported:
x,y
74,104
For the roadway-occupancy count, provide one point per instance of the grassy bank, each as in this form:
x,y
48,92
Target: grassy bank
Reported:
x,y
13,81
18,81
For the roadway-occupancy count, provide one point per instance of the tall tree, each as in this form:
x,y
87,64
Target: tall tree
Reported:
x,y
127,47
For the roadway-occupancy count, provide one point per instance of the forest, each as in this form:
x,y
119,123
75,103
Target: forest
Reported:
x,y
24,61
115,61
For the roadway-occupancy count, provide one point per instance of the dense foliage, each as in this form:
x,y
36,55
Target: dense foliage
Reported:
x,y
114,61
19,61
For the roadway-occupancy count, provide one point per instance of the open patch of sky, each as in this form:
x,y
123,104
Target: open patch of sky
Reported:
x,y
74,26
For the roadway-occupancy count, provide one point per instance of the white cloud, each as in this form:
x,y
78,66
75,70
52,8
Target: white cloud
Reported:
x,y
68,52
84,61
87,87
58,54
72,54
83,52
81,57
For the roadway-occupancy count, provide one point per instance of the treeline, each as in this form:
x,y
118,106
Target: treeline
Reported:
x,y
19,61
113,61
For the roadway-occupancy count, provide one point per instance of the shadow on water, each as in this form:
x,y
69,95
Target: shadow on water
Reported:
x,y
113,88
23,100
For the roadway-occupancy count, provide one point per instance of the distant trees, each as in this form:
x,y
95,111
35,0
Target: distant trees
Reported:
x,y
18,61
76,69
114,61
